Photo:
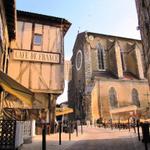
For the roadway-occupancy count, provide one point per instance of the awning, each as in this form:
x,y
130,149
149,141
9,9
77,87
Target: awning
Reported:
x,y
11,86
124,109
63,111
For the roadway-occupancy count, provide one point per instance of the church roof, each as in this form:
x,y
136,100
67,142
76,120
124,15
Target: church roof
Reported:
x,y
129,76
104,75
107,35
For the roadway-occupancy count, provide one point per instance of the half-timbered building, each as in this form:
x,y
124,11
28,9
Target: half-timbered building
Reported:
x,y
37,61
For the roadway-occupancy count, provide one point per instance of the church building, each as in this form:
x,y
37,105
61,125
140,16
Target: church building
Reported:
x,y
107,78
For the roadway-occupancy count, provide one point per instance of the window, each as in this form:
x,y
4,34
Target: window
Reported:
x,y
37,39
122,60
79,60
100,52
113,98
135,98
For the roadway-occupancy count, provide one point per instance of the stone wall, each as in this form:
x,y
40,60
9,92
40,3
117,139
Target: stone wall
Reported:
x,y
143,7
77,84
101,101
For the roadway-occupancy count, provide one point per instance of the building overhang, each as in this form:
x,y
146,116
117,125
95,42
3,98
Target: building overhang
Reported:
x,y
9,85
63,111
43,19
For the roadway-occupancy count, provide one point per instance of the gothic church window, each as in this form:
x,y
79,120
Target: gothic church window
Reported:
x,y
122,59
135,98
113,98
100,52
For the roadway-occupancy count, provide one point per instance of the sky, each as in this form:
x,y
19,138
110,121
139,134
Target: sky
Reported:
x,y
112,17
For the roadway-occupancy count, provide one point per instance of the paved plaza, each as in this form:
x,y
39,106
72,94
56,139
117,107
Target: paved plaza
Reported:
x,y
93,138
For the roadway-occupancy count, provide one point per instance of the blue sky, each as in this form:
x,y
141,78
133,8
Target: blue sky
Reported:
x,y
114,17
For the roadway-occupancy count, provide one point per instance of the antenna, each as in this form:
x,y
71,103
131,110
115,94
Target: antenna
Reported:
x,y
78,30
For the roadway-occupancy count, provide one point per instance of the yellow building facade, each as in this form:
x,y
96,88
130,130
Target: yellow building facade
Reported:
x,y
127,102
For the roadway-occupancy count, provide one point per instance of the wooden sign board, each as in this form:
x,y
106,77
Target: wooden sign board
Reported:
x,y
36,56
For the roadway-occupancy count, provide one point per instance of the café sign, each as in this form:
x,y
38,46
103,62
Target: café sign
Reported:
x,y
34,56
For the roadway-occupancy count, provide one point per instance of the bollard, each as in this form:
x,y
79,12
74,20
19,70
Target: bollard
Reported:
x,y
134,128
129,124
81,128
138,130
44,137
76,128
111,126
119,126
69,131
104,125
60,126
145,132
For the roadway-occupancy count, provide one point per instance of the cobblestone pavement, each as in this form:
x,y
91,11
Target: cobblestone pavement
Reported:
x,y
92,139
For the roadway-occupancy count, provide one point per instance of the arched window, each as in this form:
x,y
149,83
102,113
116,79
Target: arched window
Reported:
x,y
100,52
122,59
113,98
135,98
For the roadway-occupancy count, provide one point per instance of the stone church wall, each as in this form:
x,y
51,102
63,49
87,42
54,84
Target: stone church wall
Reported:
x,y
101,100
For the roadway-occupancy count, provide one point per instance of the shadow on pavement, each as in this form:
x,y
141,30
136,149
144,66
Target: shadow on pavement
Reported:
x,y
108,144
